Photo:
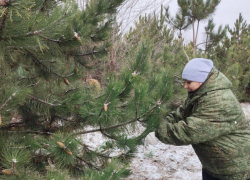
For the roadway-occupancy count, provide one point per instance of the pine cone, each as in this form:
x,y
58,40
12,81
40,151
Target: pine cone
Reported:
x,y
7,171
77,37
66,81
68,151
96,84
61,145
105,107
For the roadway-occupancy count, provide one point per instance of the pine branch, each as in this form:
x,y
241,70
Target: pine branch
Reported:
x,y
97,153
66,92
119,125
204,43
34,132
86,54
101,154
9,99
105,134
40,62
155,106
89,164
52,40
11,125
106,128
34,84
124,89
22,147
36,33
44,102
62,118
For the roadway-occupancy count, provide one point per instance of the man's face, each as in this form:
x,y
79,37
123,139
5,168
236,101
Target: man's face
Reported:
x,y
192,85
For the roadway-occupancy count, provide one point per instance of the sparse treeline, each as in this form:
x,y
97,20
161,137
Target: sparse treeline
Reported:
x,y
226,46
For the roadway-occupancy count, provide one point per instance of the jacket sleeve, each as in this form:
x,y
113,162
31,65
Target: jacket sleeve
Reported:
x,y
175,116
208,121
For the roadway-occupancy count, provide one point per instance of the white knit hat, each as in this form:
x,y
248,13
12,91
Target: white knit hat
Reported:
x,y
197,69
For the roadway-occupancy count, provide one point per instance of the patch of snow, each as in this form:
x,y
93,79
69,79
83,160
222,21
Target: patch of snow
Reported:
x,y
168,162
164,161
246,109
160,161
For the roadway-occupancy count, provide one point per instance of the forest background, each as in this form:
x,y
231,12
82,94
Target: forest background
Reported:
x,y
67,70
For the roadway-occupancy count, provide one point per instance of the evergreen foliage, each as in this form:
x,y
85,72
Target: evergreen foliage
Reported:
x,y
214,38
49,99
55,88
190,14
232,58
166,50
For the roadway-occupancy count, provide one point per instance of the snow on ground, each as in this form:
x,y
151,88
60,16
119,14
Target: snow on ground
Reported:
x,y
168,162
161,161
246,109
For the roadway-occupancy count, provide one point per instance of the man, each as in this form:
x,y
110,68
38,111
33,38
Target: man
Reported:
x,y
212,120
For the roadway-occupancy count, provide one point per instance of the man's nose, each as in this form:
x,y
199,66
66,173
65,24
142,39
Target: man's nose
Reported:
x,y
185,85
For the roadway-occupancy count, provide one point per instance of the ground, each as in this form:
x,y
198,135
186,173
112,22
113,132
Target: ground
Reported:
x,y
161,161
167,162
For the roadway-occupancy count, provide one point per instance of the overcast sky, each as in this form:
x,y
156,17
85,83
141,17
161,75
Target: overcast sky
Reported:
x,y
227,12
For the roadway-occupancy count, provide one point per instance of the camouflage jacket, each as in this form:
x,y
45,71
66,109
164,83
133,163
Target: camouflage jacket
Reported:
x,y
212,120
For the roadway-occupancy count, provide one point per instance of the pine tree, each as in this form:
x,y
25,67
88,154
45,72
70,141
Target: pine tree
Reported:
x,y
232,58
191,13
49,99
240,31
166,50
152,28
213,38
